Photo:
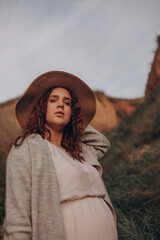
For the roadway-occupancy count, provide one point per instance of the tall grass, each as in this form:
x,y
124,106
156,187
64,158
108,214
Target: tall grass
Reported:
x,y
132,172
134,190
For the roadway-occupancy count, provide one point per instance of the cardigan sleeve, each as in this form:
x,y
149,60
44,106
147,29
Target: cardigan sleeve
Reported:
x,y
17,223
96,141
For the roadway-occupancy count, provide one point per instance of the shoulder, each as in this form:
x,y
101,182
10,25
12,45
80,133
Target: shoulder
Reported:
x,y
24,150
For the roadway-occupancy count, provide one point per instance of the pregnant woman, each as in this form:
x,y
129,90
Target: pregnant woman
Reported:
x,y
54,188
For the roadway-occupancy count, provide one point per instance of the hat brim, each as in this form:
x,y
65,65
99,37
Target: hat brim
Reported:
x,y
41,84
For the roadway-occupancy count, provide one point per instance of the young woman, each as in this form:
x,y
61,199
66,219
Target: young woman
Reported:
x,y
54,188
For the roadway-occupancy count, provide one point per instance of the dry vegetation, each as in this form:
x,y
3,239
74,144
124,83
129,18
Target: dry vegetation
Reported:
x,y
132,171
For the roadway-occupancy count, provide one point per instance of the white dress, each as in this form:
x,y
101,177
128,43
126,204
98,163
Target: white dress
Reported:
x,y
85,214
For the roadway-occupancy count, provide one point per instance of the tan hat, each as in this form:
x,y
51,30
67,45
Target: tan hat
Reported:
x,y
41,84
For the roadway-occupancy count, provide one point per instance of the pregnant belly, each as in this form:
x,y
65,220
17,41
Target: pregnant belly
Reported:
x,y
88,218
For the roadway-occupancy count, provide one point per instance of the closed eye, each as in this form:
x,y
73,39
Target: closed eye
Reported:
x,y
67,103
52,100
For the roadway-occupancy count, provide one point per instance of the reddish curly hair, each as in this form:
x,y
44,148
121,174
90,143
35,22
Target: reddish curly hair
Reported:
x,y
72,134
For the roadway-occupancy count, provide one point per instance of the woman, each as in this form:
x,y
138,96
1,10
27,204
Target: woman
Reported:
x,y
54,188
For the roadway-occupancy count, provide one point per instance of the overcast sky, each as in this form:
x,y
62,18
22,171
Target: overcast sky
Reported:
x,y
109,44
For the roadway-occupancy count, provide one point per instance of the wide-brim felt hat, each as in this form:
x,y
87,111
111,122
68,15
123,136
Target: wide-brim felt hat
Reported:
x,y
44,82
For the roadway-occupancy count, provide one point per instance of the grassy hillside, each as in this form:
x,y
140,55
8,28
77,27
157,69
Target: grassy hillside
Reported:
x,y
9,127
132,172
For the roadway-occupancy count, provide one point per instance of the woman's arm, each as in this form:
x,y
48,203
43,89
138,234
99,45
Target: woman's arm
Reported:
x,y
17,224
97,141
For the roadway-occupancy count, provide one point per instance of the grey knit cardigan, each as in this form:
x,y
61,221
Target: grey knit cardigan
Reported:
x,y
32,200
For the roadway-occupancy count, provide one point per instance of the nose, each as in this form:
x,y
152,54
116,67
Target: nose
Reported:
x,y
60,104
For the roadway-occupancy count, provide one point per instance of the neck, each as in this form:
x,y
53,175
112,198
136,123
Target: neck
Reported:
x,y
56,136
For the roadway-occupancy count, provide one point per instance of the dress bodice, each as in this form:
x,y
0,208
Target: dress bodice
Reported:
x,y
75,179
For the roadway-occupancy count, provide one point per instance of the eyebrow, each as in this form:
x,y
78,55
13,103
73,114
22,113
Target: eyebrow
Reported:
x,y
56,96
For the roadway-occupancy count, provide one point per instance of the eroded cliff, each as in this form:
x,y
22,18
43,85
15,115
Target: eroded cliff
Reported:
x,y
154,75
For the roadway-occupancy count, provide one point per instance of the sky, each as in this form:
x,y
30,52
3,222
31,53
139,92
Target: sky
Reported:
x,y
109,44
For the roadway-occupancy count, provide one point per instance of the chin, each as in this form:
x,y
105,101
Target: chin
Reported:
x,y
57,125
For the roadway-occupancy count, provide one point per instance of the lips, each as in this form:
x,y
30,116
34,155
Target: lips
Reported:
x,y
60,113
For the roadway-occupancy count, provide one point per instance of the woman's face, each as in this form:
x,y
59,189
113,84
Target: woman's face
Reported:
x,y
58,109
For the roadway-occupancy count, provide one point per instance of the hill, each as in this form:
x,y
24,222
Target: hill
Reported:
x,y
110,110
9,127
132,171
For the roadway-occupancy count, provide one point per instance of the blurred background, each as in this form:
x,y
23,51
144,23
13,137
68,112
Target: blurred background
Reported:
x,y
114,46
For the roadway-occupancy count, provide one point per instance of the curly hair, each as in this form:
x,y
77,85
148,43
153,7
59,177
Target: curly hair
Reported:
x,y
73,131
